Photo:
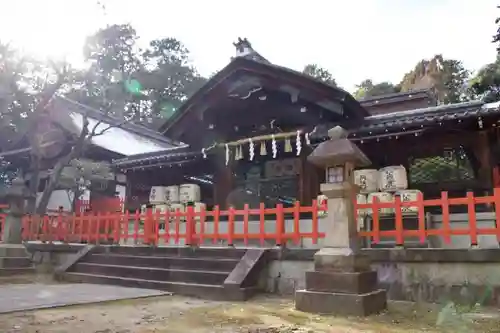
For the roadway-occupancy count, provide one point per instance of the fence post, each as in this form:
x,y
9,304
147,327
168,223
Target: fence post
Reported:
x,y
445,208
262,224
156,226
216,214
315,221
375,221
422,225
245,223
296,223
471,210
496,198
203,219
280,226
190,226
398,221
230,227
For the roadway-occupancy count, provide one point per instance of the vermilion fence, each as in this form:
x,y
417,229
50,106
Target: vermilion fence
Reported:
x,y
424,229
3,216
265,226
189,226
101,205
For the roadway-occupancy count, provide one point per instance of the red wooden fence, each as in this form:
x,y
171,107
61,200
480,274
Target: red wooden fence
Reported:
x,y
3,216
399,233
172,227
218,225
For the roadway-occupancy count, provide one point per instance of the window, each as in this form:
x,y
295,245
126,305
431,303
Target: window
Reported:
x,y
452,165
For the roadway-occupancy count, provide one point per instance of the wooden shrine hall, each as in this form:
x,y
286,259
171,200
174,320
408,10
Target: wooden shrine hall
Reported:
x,y
244,138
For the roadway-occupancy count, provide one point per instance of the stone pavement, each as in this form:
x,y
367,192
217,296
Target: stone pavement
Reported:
x,y
22,297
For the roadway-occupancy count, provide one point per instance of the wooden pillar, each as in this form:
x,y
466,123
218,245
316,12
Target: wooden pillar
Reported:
x,y
310,179
223,180
483,154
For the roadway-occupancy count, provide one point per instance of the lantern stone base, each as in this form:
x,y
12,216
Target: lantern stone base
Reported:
x,y
342,283
341,304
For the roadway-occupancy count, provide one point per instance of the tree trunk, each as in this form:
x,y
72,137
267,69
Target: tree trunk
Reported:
x,y
33,185
54,178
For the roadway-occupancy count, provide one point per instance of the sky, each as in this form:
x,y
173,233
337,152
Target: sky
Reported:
x,y
355,39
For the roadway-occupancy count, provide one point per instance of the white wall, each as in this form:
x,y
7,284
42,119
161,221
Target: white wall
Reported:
x,y
59,198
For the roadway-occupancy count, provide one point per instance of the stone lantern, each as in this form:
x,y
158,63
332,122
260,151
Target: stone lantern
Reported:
x,y
15,195
342,281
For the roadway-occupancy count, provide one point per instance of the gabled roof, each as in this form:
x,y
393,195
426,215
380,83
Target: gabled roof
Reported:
x,y
265,69
374,125
123,138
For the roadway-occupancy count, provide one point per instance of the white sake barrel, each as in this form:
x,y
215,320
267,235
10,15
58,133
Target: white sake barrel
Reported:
x,y
361,199
172,194
382,197
177,207
158,195
367,180
406,196
161,208
189,193
198,207
393,178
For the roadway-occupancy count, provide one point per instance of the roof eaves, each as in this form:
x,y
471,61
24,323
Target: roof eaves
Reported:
x,y
427,116
141,130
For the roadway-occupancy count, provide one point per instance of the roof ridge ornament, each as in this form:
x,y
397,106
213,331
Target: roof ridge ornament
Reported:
x,y
243,47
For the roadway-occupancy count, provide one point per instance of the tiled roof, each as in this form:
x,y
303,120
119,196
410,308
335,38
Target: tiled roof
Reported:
x,y
373,124
172,154
426,116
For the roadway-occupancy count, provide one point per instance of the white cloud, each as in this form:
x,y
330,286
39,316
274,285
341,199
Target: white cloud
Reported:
x,y
355,40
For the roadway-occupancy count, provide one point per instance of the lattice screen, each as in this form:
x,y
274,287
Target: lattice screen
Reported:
x,y
452,165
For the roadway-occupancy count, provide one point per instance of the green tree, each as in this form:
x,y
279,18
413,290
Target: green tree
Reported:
x,y
485,85
320,74
496,36
168,77
367,89
447,78
121,80
144,85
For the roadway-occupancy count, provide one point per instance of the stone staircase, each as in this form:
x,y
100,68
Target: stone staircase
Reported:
x,y
15,260
210,273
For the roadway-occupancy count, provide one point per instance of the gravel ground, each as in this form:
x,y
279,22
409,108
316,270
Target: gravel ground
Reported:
x,y
175,314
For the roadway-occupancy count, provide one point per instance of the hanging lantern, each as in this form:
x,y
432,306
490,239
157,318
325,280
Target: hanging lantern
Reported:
x,y
288,145
263,150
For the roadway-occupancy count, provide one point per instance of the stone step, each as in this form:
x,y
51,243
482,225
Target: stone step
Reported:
x,y
211,252
15,262
17,271
13,250
157,274
192,263
205,291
